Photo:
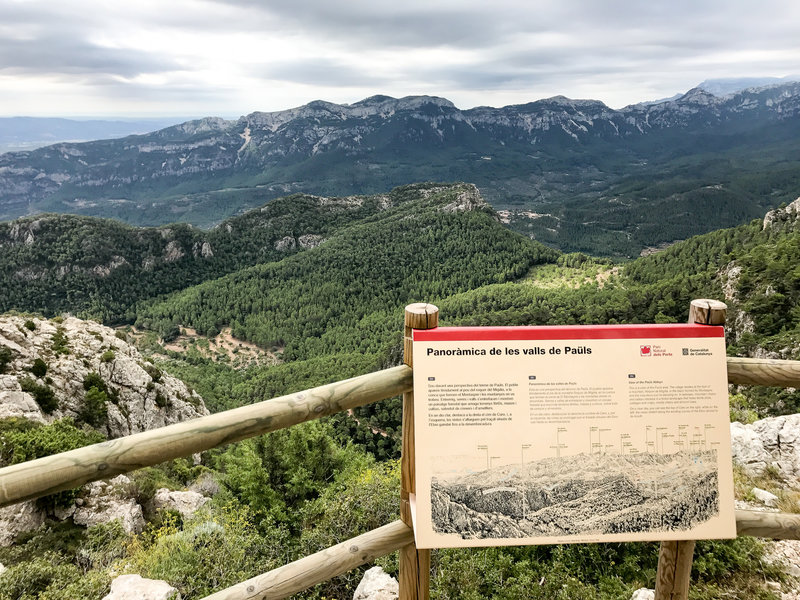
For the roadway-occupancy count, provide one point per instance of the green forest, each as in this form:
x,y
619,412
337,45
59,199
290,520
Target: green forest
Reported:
x,y
333,309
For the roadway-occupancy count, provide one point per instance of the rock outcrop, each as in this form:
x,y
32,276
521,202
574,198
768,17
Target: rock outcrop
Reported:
x,y
19,518
377,585
106,501
769,443
186,503
135,587
54,360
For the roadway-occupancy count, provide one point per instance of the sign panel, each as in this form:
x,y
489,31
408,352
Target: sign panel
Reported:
x,y
546,435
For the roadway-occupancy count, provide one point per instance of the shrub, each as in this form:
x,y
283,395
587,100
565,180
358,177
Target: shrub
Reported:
x,y
6,356
39,368
207,555
60,341
154,372
161,400
43,395
30,325
94,411
20,441
107,356
121,335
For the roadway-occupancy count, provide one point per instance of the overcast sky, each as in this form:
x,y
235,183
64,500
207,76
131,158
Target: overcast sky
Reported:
x,y
226,58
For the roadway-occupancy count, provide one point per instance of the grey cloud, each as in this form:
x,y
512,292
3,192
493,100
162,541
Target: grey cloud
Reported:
x,y
323,72
55,54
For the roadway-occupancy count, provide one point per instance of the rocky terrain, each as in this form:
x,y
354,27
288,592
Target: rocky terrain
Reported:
x,y
51,369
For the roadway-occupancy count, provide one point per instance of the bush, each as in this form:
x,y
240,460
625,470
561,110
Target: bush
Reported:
x,y
30,325
94,411
43,395
107,356
208,554
20,442
6,356
161,400
39,368
60,341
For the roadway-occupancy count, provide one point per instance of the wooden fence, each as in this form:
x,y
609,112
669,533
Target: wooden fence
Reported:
x,y
51,474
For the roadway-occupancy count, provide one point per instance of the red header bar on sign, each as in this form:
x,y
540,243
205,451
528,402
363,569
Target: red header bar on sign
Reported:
x,y
567,332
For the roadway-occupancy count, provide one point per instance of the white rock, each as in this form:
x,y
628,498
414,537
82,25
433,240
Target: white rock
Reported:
x,y
2,568
19,518
142,402
105,501
377,585
135,587
765,497
186,503
643,594
772,442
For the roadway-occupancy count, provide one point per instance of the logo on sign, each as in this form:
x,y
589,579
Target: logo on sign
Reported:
x,y
645,350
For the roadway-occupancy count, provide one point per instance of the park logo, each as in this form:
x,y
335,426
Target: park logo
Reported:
x,y
644,350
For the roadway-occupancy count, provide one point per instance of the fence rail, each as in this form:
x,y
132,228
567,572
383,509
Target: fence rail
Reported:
x,y
63,471
316,568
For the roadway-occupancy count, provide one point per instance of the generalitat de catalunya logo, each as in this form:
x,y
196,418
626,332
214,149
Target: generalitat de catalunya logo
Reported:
x,y
645,350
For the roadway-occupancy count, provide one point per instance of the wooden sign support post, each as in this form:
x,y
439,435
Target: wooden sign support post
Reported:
x,y
415,565
675,557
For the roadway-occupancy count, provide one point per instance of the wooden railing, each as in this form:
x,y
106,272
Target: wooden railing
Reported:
x,y
51,474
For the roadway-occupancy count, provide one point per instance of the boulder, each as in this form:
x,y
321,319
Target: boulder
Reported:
x,y
377,585
104,501
186,503
765,497
135,587
769,443
643,594
19,518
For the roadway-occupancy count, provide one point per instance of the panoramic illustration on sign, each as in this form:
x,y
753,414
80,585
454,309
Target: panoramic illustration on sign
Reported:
x,y
540,435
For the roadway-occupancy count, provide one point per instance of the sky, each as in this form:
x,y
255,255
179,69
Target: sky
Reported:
x,y
193,58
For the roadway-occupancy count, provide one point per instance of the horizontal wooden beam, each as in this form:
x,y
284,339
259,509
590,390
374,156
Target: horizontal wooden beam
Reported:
x,y
776,526
51,474
316,568
763,371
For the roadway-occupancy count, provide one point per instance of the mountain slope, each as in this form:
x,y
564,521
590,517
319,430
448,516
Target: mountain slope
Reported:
x,y
55,263
341,295
599,176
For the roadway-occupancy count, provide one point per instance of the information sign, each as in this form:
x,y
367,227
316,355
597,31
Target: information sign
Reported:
x,y
542,435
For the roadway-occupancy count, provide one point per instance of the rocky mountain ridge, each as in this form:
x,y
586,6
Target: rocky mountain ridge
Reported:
x,y
526,151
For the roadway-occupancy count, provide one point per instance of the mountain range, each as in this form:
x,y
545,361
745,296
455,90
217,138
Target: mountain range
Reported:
x,y
575,174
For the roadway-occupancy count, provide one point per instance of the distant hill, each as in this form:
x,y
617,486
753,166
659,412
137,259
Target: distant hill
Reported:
x,y
575,174
28,133
731,85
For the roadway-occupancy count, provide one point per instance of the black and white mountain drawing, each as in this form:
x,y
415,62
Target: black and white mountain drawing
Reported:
x,y
580,495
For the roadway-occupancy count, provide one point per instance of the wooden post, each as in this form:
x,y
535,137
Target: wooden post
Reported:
x,y
675,557
415,565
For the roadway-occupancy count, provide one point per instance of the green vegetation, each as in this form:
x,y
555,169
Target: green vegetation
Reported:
x,y
43,394
335,311
39,368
